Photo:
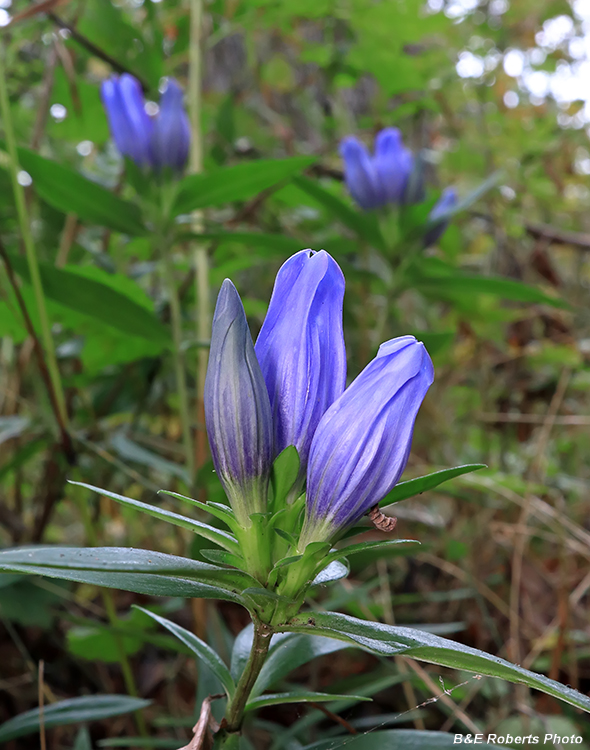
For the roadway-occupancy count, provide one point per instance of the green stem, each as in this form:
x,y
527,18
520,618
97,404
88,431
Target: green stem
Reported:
x,y
110,609
234,713
25,227
176,320
201,259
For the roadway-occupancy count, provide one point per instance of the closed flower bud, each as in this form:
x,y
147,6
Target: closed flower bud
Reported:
x,y
130,125
362,443
301,347
159,142
237,409
374,181
171,135
438,219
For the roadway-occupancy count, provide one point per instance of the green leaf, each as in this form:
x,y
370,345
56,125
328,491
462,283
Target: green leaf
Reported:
x,y
139,570
222,538
334,571
393,739
96,297
70,711
215,509
412,487
69,192
299,696
365,225
221,557
389,640
470,284
271,245
236,183
201,649
354,549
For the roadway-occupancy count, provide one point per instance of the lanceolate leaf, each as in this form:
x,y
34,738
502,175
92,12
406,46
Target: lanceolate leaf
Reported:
x,y
365,225
69,192
236,183
71,711
354,549
389,640
139,570
223,514
201,649
394,739
225,540
302,696
95,299
412,487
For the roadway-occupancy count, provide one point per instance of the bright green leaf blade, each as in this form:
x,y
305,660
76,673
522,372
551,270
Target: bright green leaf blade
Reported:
x,y
71,711
201,649
302,696
354,549
222,538
236,183
95,299
393,739
289,651
411,487
389,640
139,570
69,192
365,225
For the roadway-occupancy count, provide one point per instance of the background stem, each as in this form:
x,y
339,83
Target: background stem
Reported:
x,y
27,237
201,259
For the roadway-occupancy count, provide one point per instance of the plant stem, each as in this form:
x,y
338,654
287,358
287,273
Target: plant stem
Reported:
x,y
176,320
27,237
201,260
234,713
110,609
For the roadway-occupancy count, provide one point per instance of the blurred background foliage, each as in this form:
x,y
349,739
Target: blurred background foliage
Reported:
x,y
481,88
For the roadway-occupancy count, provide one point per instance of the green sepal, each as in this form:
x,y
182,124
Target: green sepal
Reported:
x,y
222,538
286,536
221,512
285,471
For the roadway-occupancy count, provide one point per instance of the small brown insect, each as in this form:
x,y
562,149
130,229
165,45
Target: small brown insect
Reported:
x,y
380,520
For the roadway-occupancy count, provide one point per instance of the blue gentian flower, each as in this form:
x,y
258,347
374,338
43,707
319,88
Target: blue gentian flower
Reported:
x,y
159,142
362,442
375,181
237,409
130,125
437,218
301,348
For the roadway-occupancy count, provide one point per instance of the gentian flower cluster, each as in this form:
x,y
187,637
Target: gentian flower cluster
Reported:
x,y
389,177
289,389
159,142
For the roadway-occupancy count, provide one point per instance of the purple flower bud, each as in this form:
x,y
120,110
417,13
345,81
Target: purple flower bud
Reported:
x,y
437,218
171,135
237,409
159,142
130,125
362,443
393,163
301,347
374,181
